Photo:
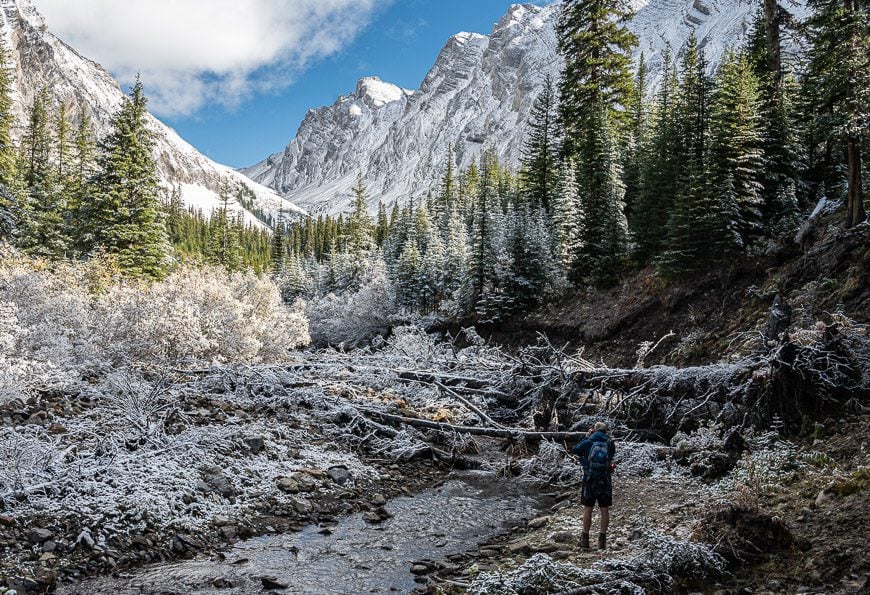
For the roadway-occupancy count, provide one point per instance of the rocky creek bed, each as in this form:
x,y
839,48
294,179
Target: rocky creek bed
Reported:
x,y
105,477
354,554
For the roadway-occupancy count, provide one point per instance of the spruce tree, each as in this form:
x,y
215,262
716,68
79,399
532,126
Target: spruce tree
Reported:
x,y
777,89
695,229
43,229
567,219
539,173
225,248
482,255
382,226
838,84
659,169
737,160
124,215
8,157
597,46
637,135
594,92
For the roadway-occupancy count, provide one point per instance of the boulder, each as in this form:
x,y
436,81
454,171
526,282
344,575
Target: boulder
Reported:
x,y
340,475
215,481
271,582
256,444
38,535
288,485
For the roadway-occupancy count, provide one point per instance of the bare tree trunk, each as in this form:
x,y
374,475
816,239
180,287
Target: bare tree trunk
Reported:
x,y
855,202
774,48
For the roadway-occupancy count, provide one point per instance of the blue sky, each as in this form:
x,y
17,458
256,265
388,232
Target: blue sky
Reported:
x,y
235,77
399,45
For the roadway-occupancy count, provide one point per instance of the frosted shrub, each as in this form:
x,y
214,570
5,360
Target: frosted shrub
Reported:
x,y
352,318
200,314
60,318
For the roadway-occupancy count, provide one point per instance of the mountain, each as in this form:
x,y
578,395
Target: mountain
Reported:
x,y
41,60
477,95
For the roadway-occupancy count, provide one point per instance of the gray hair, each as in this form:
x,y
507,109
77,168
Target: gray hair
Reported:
x,y
600,426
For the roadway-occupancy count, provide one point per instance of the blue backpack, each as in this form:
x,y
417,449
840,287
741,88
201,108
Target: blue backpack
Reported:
x,y
598,459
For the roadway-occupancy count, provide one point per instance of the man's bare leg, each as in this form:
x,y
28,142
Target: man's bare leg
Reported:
x,y
587,524
605,522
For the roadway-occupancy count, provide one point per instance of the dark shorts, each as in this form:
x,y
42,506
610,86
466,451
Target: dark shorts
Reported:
x,y
597,491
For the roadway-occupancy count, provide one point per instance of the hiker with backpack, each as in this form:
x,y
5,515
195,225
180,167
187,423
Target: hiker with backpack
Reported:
x,y
596,455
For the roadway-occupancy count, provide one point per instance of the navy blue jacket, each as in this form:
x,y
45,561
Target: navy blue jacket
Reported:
x,y
582,448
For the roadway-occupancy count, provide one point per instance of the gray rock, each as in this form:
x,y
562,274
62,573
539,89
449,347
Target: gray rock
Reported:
x,y
419,569
302,506
539,522
519,547
372,517
564,537
49,546
378,500
271,582
215,481
256,444
306,482
288,485
39,535
824,496
340,475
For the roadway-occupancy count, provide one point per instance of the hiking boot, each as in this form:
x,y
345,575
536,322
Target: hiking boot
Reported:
x,y
584,541
602,541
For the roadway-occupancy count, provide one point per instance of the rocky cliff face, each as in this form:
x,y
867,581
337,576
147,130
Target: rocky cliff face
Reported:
x,y
478,94
41,60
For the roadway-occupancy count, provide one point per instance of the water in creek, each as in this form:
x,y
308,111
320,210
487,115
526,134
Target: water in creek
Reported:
x,y
355,557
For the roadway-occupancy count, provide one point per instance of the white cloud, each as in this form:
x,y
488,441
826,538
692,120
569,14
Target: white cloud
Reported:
x,y
193,52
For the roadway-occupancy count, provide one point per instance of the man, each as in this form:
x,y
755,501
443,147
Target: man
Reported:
x,y
596,454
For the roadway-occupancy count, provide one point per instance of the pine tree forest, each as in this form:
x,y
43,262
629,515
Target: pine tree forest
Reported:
x,y
690,175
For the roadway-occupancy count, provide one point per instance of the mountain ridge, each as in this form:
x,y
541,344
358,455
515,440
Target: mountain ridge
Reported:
x,y
42,60
478,93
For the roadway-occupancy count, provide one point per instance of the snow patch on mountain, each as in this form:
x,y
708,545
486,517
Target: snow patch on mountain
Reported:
x,y
478,94
42,61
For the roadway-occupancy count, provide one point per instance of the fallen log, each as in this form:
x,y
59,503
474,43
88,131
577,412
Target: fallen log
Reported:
x,y
509,433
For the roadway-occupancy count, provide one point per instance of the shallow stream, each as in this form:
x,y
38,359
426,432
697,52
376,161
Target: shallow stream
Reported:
x,y
351,556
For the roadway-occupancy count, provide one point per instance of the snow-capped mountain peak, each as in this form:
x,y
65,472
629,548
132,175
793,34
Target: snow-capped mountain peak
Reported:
x,y
478,94
378,93
41,60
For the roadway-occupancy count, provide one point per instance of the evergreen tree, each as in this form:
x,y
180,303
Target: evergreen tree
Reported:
x,y
597,46
737,160
659,169
637,137
567,218
837,82
456,255
224,247
539,176
278,250
594,91
696,230
777,121
124,215
43,231
8,157
382,227
448,191
482,257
